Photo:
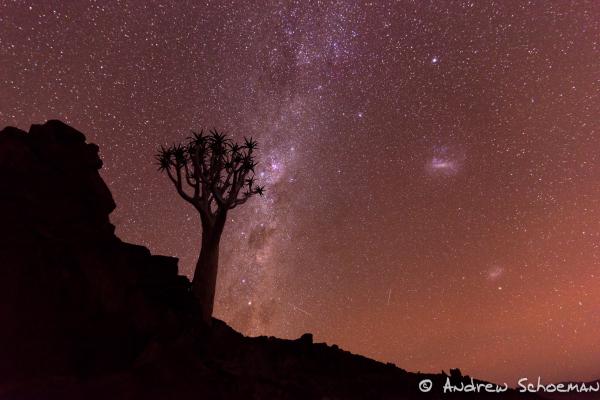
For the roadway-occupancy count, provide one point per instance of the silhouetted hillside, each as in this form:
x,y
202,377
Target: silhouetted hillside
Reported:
x,y
87,316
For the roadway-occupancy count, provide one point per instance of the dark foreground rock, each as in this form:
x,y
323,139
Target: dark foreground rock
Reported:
x,y
87,316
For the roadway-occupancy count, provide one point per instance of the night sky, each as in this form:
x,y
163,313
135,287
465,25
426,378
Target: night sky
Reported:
x,y
432,168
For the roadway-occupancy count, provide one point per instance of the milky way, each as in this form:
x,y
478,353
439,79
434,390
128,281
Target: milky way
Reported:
x,y
432,171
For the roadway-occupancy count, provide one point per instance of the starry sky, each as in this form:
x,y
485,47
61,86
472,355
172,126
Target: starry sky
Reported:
x,y
432,168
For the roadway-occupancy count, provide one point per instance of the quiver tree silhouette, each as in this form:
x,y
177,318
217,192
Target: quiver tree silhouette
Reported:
x,y
215,175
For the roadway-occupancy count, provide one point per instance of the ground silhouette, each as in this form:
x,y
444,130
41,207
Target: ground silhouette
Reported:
x,y
86,316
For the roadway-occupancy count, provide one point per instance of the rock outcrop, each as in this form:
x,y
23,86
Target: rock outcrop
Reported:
x,y
87,316
73,297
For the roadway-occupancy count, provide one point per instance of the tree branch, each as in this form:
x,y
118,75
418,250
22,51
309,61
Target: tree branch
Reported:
x,y
178,186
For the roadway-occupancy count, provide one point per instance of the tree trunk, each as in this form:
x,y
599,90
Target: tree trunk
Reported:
x,y
205,276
